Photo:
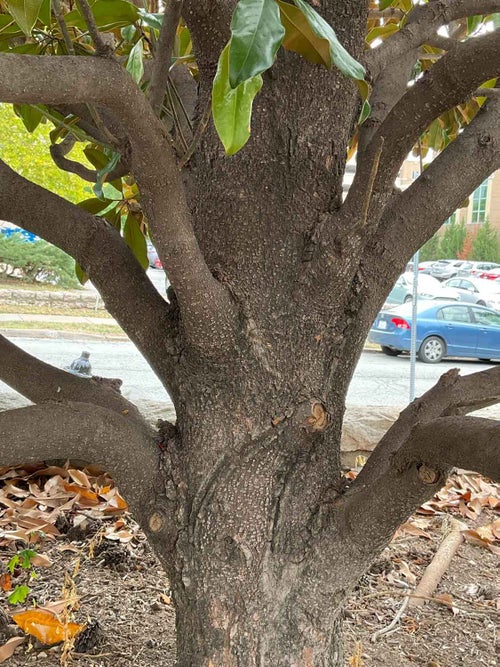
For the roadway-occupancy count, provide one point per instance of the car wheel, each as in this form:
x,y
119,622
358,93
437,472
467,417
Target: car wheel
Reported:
x,y
485,361
432,350
408,298
480,303
389,351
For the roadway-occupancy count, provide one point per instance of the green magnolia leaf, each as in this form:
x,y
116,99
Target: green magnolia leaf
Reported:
x,y
108,14
128,33
366,110
25,12
256,35
19,594
473,22
301,38
151,20
136,240
340,57
44,15
382,31
30,115
113,160
94,205
134,63
232,107
80,274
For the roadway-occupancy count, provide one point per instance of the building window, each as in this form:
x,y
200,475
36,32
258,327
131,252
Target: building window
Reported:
x,y
479,198
452,219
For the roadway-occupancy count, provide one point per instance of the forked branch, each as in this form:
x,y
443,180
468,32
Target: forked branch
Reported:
x,y
207,310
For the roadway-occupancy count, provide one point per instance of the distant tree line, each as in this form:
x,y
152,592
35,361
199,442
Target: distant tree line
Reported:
x,y
457,242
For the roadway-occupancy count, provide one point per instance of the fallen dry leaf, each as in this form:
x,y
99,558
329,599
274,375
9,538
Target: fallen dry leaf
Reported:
x,y
45,626
9,647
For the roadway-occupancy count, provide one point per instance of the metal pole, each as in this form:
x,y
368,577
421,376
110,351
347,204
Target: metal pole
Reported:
x,y
413,333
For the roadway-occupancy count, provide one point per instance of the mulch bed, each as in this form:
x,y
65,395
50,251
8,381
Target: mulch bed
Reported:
x,y
93,567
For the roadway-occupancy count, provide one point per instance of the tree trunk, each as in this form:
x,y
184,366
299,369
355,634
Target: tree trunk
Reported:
x,y
243,555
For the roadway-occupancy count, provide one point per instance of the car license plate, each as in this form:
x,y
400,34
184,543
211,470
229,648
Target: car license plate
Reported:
x,y
382,324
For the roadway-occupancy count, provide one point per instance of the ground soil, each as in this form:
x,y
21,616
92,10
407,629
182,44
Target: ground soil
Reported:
x,y
123,597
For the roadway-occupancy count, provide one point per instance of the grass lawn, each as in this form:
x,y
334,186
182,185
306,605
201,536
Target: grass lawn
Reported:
x,y
45,310
102,329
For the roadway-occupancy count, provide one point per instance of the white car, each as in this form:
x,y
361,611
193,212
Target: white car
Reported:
x,y
476,290
427,288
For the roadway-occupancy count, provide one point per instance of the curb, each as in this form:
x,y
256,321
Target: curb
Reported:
x,y
56,334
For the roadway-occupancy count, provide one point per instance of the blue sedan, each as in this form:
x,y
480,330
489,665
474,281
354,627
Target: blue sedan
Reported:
x,y
447,329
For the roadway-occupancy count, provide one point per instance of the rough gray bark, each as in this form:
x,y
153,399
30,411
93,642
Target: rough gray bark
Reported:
x,y
275,284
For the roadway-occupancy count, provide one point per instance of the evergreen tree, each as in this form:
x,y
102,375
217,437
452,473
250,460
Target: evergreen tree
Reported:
x,y
485,245
453,240
431,250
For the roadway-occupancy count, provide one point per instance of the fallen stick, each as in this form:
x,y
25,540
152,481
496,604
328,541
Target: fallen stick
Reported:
x,y
437,567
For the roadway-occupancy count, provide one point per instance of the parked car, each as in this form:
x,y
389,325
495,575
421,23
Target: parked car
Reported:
x,y
477,268
490,274
443,330
423,267
154,260
427,288
448,268
476,290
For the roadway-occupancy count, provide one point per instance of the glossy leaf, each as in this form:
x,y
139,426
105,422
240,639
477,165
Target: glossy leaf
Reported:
x,y
108,14
366,110
256,35
44,15
135,65
151,20
136,240
25,13
301,38
95,205
382,32
30,115
473,23
232,107
45,626
340,57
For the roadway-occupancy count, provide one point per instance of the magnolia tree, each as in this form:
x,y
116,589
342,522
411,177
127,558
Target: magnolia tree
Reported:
x,y
275,279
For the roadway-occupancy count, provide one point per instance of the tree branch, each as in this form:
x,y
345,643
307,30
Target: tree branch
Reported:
x,y
59,151
100,250
446,182
103,48
450,81
451,395
40,382
80,431
163,54
207,310
421,25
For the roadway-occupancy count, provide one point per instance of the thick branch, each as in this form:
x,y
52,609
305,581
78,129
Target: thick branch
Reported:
x,y
127,292
452,395
422,24
93,434
163,54
40,382
208,313
407,221
452,80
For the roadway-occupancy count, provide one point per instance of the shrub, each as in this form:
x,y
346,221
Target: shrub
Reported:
x,y
36,262
485,245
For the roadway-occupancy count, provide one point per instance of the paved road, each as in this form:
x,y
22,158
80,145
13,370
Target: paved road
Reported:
x,y
378,380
